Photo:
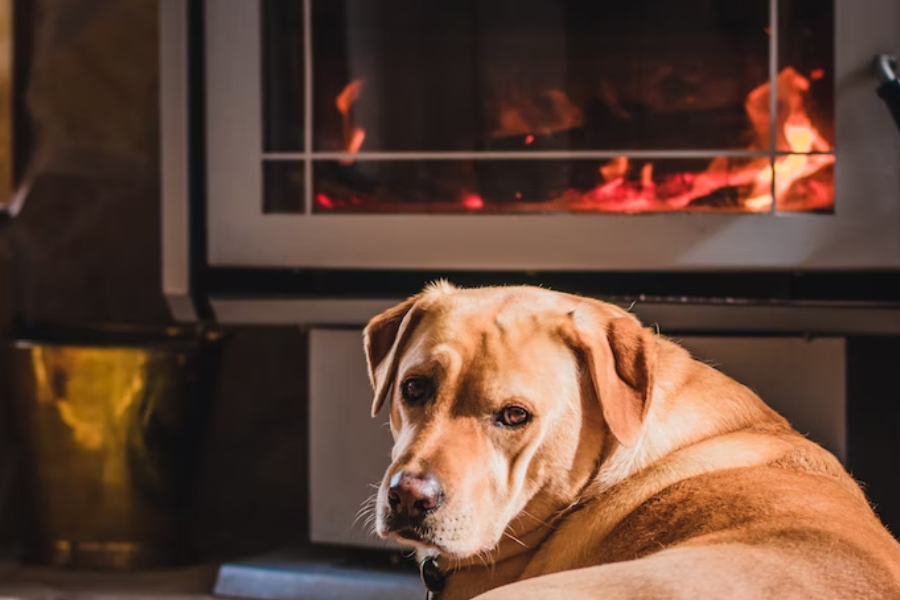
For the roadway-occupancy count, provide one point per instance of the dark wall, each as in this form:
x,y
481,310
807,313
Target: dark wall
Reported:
x,y
87,241
86,249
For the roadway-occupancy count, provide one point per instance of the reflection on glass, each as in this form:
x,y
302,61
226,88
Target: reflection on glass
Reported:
x,y
537,74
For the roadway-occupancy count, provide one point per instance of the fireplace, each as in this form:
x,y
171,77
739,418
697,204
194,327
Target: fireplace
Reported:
x,y
666,152
640,136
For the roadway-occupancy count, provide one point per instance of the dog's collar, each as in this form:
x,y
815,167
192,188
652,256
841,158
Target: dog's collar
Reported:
x,y
435,580
432,577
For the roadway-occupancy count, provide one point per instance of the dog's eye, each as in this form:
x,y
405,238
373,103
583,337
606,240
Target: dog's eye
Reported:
x,y
513,416
415,390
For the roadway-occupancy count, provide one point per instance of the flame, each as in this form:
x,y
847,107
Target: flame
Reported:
x,y
353,136
615,169
795,134
630,185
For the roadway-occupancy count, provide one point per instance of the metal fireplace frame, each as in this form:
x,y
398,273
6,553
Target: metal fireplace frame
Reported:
x,y
223,258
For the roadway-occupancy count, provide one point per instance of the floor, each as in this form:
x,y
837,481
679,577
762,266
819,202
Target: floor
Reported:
x,y
27,583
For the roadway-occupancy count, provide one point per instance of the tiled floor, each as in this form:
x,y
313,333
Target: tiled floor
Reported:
x,y
21,583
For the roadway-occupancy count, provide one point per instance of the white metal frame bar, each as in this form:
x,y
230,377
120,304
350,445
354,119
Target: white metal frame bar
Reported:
x,y
308,139
525,155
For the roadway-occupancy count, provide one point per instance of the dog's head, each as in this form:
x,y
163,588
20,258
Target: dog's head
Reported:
x,y
503,401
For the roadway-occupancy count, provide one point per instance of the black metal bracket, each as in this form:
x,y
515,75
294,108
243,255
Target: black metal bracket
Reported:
x,y
889,91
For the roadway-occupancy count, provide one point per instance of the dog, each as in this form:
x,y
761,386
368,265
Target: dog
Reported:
x,y
550,446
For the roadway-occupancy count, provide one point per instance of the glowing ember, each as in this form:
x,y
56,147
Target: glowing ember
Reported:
x,y
817,74
473,201
353,136
647,175
529,139
324,201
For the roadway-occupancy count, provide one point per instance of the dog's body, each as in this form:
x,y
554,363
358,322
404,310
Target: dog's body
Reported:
x,y
548,446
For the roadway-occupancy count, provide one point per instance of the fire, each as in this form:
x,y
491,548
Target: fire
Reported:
x,y
632,185
324,201
473,201
790,169
796,135
353,136
617,168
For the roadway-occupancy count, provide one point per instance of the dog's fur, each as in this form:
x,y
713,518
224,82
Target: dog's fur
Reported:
x,y
644,474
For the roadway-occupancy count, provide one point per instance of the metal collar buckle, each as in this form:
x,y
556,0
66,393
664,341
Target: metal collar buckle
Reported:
x,y
432,577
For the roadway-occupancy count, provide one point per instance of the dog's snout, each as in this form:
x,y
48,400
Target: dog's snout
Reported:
x,y
414,494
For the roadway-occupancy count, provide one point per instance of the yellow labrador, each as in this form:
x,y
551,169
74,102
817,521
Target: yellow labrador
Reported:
x,y
549,446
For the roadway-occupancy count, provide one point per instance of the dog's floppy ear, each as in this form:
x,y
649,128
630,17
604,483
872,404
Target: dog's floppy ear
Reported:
x,y
382,339
620,357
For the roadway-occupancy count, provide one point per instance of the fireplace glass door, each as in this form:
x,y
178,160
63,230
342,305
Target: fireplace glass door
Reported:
x,y
523,106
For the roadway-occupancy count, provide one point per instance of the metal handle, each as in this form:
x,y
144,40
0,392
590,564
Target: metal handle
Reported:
x,y
889,90
886,68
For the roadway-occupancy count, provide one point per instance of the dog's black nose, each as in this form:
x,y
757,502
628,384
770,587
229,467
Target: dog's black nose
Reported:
x,y
414,494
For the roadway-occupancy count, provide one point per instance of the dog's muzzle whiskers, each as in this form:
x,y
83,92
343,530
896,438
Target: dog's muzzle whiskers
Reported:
x,y
367,513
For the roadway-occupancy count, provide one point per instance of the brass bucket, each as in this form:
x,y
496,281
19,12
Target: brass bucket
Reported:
x,y
109,425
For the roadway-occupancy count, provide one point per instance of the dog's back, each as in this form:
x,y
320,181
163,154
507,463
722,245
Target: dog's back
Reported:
x,y
830,533
772,509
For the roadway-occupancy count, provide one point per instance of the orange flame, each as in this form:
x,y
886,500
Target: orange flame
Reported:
x,y
753,183
795,134
353,136
617,168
